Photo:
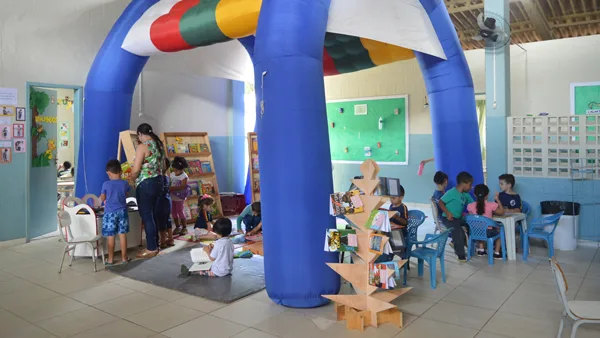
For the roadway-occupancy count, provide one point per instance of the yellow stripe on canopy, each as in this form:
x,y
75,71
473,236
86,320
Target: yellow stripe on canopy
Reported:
x,y
383,53
238,18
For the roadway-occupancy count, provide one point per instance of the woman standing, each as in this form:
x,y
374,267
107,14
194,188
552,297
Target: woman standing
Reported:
x,y
147,174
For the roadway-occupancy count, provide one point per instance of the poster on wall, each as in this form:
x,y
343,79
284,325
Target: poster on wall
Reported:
x,y
20,146
5,155
5,132
4,120
585,98
19,130
7,111
8,96
21,114
43,129
63,134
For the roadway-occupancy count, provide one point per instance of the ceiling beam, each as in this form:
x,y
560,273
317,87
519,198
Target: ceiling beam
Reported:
x,y
576,23
467,5
535,14
574,16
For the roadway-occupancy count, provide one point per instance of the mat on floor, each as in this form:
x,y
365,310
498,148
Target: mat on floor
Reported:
x,y
248,276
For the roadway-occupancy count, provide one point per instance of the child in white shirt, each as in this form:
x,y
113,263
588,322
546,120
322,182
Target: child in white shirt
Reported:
x,y
220,253
179,193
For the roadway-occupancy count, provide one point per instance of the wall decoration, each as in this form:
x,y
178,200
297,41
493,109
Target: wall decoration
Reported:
x,y
39,101
19,130
585,98
5,119
5,144
20,146
8,96
21,114
5,132
63,134
5,155
358,137
7,111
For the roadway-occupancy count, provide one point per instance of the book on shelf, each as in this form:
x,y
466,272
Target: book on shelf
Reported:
x,y
193,209
379,244
125,170
205,167
255,165
256,179
208,188
379,221
194,187
204,148
254,144
187,212
170,149
194,148
343,203
382,275
182,148
341,240
201,260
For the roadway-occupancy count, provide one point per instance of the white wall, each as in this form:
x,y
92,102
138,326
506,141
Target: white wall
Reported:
x,y
540,79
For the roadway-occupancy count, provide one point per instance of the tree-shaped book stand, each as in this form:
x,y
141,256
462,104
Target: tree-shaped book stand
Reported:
x,y
367,307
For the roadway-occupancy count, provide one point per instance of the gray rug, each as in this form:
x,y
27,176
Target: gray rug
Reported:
x,y
248,276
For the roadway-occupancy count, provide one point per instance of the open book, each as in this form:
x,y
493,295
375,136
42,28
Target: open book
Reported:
x,y
201,260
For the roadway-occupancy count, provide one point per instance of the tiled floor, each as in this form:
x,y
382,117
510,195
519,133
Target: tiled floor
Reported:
x,y
507,300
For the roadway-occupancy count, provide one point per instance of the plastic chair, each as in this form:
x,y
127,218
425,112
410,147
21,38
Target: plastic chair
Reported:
x,y
581,312
423,253
536,230
96,202
439,227
478,226
415,219
70,202
526,209
64,220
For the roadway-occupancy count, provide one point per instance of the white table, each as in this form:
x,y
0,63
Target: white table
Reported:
x,y
509,221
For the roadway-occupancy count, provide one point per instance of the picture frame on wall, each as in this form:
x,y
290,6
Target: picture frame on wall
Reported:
x,y
20,146
7,111
5,132
21,114
5,155
19,130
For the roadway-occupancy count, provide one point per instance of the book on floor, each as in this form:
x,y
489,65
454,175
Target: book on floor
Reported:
x,y
341,240
200,259
343,203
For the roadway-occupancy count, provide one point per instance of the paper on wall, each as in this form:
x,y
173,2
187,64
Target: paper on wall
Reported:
x,y
8,96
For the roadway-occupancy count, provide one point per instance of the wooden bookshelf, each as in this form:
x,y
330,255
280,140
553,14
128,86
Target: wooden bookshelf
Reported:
x,y
254,166
128,141
178,142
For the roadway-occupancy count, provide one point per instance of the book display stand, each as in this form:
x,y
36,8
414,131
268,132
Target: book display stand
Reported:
x,y
254,166
128,142
367,307
195,147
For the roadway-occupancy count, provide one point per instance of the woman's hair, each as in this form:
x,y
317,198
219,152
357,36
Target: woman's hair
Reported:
x,y
256,207
223,227
179,163
481,192
146,129
205,200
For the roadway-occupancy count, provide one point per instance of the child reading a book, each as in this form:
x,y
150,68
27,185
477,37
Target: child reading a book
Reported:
x,y
204,227
398,221
253,221
220,253
116,218
179,193
487,209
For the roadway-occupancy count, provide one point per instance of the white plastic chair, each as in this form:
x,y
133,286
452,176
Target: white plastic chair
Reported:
x,y
64,221
96,200
439,227
580,311
70,202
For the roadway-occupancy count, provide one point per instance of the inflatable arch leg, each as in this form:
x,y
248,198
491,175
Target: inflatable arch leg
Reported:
x,y
297,168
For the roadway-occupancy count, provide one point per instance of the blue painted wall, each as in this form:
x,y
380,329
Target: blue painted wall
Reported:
x,y
418,188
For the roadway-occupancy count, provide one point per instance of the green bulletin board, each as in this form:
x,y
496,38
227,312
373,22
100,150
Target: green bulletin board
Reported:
x,y
585,98
352,131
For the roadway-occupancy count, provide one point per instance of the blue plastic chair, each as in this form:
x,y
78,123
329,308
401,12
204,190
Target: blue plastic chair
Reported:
x,y
415,219
536,230
478,226
424,253
526,209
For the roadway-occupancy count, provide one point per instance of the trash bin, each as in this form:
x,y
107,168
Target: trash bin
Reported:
x,y
565,236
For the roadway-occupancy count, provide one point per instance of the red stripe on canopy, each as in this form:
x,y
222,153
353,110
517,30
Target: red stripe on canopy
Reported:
x,y
165,33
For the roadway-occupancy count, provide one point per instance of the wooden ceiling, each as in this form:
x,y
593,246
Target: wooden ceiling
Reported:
x,y
530,20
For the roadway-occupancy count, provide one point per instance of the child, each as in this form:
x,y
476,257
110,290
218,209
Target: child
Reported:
x,y
204,227
453,204
487,209
253,221
116,217
164,210
441,181
221,253
509,199
398,221
179,180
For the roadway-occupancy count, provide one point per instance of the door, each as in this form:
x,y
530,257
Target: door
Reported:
x,y
43,175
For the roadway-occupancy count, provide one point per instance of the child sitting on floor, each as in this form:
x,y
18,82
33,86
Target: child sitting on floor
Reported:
x,y
253,221
116,218
220,253
488,209
509,199
204,226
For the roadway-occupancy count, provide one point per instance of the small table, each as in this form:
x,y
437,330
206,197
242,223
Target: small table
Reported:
x,y
509,221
